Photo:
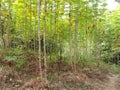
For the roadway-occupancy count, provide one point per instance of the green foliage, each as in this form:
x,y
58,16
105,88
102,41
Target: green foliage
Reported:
x,y
115,69
20,64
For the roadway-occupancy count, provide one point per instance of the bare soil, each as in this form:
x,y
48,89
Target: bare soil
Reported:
x,y
113,83
59,78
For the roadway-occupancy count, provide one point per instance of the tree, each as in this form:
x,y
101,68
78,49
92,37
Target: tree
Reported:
x,y
39,38
44,37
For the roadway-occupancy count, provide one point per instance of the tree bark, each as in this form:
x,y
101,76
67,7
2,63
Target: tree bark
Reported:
x,y
44,39
70,39
39,38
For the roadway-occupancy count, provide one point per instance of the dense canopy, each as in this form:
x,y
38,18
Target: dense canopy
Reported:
x,y
39,32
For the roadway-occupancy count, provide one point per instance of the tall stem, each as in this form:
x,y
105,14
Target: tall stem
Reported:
x,y
39,38
44,38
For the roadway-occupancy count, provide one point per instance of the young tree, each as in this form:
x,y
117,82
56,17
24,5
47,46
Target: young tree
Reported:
x,y
70,37
39,38
76,37
44,38
9,26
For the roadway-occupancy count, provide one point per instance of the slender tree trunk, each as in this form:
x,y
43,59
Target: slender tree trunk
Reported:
x,y
70,39
44,39
76,38
51,18
25,38
30,46
35,32
86,32
39,38
35,28
96,31
75,45
2,27
2,35
9,26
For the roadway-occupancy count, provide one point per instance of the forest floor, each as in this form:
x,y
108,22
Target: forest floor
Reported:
x,y
59,77
113,83
89,80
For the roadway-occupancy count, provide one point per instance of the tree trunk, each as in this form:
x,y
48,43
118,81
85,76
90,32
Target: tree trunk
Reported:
x,y
70,39
44,39
9,26
75,45
39,38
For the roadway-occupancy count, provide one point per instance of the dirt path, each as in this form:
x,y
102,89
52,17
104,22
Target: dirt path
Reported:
x,y
113,83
